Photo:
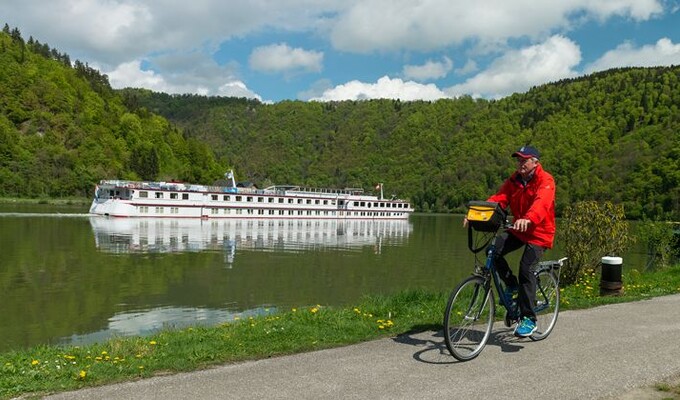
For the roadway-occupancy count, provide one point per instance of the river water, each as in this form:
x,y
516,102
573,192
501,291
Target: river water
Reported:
x,y
70,278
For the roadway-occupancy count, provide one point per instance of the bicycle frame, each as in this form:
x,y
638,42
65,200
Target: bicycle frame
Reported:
x,y
489,269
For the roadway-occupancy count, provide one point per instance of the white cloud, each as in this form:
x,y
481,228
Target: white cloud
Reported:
x,y
469,67
131,74
519,70
283,58
664,52
172,34
384,88
429,70
390,25
316,90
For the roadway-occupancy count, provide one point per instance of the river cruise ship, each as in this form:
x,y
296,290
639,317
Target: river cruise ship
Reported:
x,y
119,198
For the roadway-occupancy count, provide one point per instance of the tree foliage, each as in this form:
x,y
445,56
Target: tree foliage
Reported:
x,y
589,231
610,136
63,128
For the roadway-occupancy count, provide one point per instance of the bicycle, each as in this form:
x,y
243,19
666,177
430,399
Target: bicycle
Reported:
x,y
471,308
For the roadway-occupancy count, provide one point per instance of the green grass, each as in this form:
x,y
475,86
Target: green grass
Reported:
x,y
49,369
67,201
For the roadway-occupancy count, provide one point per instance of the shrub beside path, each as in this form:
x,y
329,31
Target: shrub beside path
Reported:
x,y
607,352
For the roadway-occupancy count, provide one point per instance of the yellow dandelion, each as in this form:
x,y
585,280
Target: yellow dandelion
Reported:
x,y
295,310
153,343
356,310
82,374
35,362
381,327
314,310
104,353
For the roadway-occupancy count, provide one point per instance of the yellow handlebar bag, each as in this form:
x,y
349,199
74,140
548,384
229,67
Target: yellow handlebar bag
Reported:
x,y
485,216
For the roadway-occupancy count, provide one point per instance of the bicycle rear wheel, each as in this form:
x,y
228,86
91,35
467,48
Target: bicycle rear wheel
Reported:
x,y
469,318
547,304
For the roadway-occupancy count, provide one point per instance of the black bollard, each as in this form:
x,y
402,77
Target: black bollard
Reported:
x,y
610,281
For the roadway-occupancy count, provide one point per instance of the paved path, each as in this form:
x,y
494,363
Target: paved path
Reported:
x,y
592,354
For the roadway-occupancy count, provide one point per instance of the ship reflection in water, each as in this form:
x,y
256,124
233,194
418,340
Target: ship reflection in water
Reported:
x,y
163,235
125,236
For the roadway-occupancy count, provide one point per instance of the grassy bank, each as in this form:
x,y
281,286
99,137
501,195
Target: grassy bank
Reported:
x,y
71,201
46,369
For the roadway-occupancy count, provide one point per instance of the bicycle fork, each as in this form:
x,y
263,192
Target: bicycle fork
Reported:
x,y
479,291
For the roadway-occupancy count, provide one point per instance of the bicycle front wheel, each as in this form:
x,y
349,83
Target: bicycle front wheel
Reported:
x,y
547,304
469,317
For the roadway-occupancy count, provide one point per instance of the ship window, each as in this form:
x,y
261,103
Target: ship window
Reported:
x,y
159,195
271,200
356,204
290,201
159,210
185,196
249,198
316,201
299,201
363,204
260,199
325,202
309,201
213,197
173,195
226,198
143,194
239,198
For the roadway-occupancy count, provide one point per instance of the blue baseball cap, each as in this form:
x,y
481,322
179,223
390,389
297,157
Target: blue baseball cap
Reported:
x,y
527,152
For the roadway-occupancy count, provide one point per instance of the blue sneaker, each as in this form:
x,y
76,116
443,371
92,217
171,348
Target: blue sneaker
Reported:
x,y
525,328
510,293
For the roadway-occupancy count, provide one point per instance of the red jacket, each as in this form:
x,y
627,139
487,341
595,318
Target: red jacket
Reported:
x,y
535,202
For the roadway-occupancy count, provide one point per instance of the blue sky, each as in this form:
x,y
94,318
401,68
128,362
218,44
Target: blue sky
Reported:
x,y
323,50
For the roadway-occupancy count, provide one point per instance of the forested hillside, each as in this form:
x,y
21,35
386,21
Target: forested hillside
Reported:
x,y
612,136
608,136
62,128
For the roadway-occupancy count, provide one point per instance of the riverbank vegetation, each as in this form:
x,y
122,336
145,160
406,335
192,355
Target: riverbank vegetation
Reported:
x,y
609,136
49,369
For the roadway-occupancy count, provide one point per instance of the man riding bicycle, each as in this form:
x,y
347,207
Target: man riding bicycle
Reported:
x,y
530,194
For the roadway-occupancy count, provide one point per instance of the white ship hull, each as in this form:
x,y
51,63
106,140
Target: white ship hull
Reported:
x,y
176,200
